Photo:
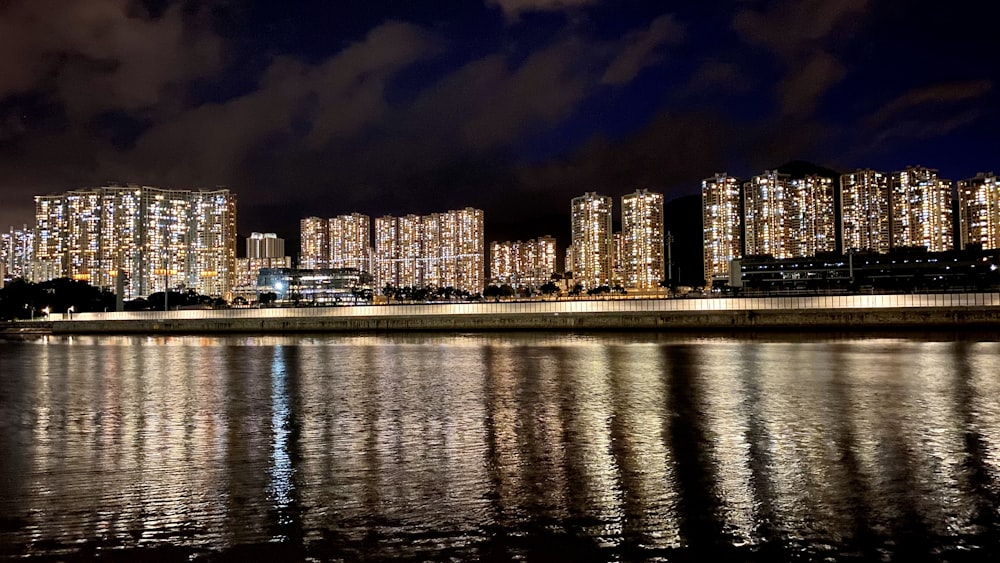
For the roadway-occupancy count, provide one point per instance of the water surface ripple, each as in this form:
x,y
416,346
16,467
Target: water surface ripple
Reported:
x,y
503,447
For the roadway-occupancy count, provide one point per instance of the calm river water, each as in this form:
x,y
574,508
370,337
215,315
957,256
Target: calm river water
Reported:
x,y
500,447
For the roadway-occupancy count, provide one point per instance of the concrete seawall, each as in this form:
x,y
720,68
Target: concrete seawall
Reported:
x,y
842,319
840,312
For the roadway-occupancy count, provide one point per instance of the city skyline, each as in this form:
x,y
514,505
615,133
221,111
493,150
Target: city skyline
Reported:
x,y
327,108
798,216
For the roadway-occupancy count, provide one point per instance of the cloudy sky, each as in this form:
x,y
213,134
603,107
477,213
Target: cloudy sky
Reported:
x,y
514,106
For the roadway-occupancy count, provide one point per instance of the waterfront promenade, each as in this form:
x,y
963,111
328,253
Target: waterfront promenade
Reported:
x,y
899,311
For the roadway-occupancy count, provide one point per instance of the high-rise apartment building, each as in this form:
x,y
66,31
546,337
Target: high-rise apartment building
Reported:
x,y
350,242
766,208
642,240
864,196
156,238
440,250
787,218
385,251
590,217
921,210
722,222
314,243
811,223
17,253
339,242
523,264
979,210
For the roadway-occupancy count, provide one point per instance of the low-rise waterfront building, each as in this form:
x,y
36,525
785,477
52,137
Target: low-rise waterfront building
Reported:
x,y
901,270
324,286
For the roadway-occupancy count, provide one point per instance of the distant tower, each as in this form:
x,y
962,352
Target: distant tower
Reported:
x,y
591,236
643,239
864,196
314,243
350,241
811,226
921,210
979,205
265,245
767,209
722,225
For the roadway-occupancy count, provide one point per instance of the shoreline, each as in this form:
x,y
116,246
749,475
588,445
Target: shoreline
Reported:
x,y
850,312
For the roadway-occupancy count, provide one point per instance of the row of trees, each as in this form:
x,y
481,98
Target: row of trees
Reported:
x,y
22,299
427,293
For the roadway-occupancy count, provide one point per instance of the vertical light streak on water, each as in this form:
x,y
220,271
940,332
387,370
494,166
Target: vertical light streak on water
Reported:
x,y
936,434
805,476
280,486
982,371
648,480
539,425
984,366
727,421
596,476
41,455
875,373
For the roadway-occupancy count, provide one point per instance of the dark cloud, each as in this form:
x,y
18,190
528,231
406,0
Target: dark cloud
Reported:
x,y
718,75
935,94
512,9
803,87
209,144
799,33
642,49
95,55
671,154
790,27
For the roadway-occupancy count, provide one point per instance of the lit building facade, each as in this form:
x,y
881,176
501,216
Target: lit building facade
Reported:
x,y
264,251
590,217
17,253
523,264
265,245
156,238
314,243
811,223
722,224
766,208
325,286
979,207
350,242
642,240
864,196
439,250
921,210
617,259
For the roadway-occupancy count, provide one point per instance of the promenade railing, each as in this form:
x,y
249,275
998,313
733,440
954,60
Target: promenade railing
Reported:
x,y
573,306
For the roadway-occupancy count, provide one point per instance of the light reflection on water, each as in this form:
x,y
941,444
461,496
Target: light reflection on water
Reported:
x,y
505,446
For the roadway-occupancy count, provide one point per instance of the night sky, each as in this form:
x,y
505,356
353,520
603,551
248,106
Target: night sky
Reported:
x,y
513,106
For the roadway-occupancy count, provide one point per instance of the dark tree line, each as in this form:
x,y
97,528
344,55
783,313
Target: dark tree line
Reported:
x,y
427,293
22,299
